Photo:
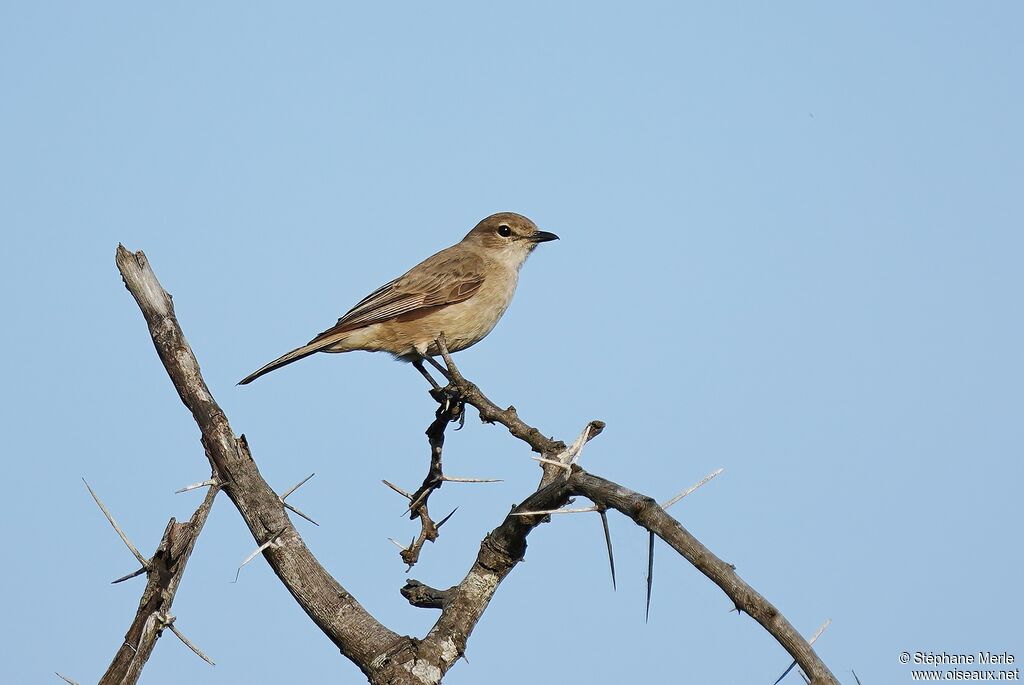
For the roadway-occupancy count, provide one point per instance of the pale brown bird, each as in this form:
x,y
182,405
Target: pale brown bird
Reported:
x,y
461,291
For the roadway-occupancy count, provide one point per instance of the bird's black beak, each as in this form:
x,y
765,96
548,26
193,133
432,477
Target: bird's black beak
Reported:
x,y
543,237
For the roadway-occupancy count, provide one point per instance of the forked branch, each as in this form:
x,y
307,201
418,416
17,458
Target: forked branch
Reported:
x,y
383,655
164,572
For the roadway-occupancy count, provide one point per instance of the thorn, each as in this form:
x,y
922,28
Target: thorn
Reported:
x,y
259,549
820,630
544,460
188,643
855,676
418,502
804,676
129,576
650,575
816,635
571,454
445,519
580,510
65,678
689,490
608,543
457,479
291,508
397,544
296,486
124,538
283,497
784,673
196,486
397,489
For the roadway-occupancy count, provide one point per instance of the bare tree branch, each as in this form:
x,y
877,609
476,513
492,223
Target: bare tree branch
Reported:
x,y
646,513
424,596
358,635
500,552
447,412
164,572
384,656
491,413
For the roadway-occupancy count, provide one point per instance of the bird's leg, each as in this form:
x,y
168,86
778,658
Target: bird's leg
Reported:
x,y
444,396
440,367
418,363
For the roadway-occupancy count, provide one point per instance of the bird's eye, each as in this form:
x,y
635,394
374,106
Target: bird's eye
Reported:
x,y
504,231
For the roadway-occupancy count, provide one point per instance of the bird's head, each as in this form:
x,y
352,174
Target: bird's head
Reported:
x,y
507,237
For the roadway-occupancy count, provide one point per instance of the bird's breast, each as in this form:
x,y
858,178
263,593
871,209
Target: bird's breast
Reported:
x,y
467,323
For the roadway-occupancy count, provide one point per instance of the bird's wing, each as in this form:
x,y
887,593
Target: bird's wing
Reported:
x,y
440,280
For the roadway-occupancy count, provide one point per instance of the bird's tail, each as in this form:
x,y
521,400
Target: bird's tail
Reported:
x,y
318,344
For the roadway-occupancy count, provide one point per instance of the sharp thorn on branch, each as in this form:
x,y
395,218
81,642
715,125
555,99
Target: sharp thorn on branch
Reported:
x,y
196,486
445,519
553,462
188,643
110,518
545,512
397,489
690,489
784,674
129,576
819,631
296,486
265,545
398,544
814,637
299,513
650,575
418,502
65,678
608,544
457,479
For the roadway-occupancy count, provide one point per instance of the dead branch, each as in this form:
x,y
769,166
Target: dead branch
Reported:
x,y
648,514
382,655
424,596
164,572
358,635
447,412
642,509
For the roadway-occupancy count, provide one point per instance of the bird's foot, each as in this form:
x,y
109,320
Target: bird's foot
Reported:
x,y
452,404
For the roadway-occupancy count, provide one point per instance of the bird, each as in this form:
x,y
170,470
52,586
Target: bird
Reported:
x,y
461,292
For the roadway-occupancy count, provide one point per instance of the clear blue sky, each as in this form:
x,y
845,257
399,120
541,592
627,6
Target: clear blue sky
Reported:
x,y
791,246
